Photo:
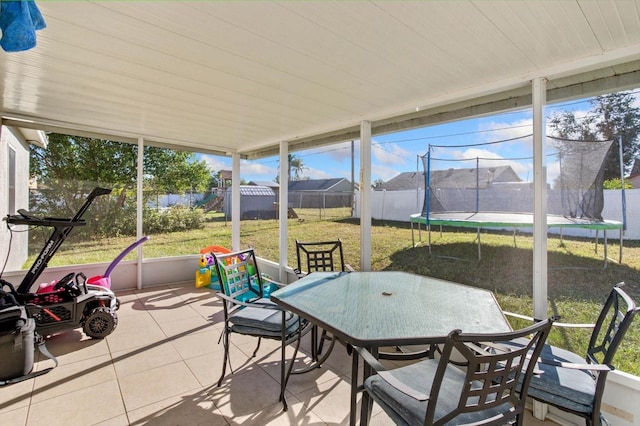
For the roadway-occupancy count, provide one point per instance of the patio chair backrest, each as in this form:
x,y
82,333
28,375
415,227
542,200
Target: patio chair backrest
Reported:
x,y
319,256
493,369
613,322
238,275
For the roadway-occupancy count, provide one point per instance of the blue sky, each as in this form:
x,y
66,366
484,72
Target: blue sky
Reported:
x,y
397,152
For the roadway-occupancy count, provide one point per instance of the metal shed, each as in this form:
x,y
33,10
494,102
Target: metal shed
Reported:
x,y
256,202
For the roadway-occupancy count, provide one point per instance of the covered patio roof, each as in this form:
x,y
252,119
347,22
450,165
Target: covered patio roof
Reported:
x,y
255,79
240,77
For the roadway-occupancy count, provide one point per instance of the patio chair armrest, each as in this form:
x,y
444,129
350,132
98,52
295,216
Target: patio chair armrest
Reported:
x,y
249,305
575,366
270,280
388,376
555,324
369,358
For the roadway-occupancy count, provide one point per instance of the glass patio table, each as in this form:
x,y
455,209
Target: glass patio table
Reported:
x,y
389,309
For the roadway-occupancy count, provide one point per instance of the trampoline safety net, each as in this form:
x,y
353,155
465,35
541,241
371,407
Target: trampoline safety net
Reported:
x,y
480,178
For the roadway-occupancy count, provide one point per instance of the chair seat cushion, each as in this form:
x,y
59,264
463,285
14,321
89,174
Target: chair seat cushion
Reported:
x,y
262,321
564,387
406,410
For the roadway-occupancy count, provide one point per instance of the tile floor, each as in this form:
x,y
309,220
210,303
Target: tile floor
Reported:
x,y
160,367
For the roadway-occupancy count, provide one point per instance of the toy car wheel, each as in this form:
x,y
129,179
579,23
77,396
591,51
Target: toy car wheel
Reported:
x,y
100,323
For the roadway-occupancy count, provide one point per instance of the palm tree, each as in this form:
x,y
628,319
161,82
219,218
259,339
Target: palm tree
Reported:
x,y
296,167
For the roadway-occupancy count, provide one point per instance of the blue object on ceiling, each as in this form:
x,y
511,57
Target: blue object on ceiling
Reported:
x,y
19,21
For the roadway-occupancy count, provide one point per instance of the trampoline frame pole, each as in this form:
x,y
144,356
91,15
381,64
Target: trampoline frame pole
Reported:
x,y
477,184
624,199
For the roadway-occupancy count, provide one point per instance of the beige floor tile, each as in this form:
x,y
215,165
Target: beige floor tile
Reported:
x,y
83,406
210,310
274,415
153,290
142,330
130,305
191,295
150,386
160,298
271,363
245,393
187,325
330,401
73,345
133,361
380,419
13,397
170,314
195,408
121,420
71,377
191,345
15,417
207,368
340,360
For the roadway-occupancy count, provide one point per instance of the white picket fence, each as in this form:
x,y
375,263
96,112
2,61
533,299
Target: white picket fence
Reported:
x,y
400,205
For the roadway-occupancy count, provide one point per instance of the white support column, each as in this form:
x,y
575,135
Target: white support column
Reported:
x,y
283,210
365,196
539,88
140,209
235,202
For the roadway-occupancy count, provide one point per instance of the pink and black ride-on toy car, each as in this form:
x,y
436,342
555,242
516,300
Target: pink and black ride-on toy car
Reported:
x,y
73,301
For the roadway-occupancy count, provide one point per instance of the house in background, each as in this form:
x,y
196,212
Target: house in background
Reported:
x,y
402,182
634,176
320,193
480,177
273,185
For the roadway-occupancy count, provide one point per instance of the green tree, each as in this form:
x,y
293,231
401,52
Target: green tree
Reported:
x,y
616,184
612,117
71,166
295,168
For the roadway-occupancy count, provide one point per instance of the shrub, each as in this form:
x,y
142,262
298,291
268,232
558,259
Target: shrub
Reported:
x,y
173,219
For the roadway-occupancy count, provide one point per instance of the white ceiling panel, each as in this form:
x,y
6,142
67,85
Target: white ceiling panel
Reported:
x,y
230,76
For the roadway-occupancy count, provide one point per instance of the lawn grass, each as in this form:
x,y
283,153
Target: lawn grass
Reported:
x,y
577,282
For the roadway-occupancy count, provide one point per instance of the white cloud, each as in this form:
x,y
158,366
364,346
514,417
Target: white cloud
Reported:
x,y
216,163
385,173
390,154
553,171
254,168
497,131
312,173
338,152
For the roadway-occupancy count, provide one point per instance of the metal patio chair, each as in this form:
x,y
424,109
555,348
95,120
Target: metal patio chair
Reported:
x,y
248,310
320,256
484,391
576,383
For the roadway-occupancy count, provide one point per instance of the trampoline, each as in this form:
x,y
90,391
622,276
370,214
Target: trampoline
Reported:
x,y
515,221
490,192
